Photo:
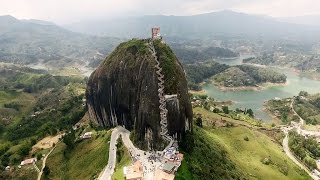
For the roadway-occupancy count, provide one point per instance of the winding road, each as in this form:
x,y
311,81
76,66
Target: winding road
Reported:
x,y
285,142
109,169
134,152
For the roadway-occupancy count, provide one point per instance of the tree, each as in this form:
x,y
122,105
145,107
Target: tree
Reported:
x,y
187,142
303,93
39,156
311,163
199,121
46,171
250,112
69,139
225,109
216,110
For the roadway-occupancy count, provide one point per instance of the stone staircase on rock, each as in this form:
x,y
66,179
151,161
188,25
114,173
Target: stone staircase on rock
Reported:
x,y
162,99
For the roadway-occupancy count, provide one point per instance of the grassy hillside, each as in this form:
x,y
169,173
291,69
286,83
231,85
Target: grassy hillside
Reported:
x,y
308,107
34,104
253,156
208,160
123,159
281,110
235,151
85,161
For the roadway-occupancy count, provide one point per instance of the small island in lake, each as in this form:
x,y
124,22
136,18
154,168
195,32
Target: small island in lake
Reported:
x,y
233,77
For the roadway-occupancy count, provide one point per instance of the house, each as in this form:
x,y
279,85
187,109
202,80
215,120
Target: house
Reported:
x,y
134,176
277,98
86,135
134,172
169,153
28,161
161,175
211,108
180,157
155,32
169,167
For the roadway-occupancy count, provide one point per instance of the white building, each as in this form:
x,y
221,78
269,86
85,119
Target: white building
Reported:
x,y
86,135
28,161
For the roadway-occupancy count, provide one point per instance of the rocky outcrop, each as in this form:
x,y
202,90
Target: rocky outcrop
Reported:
x,y
123,90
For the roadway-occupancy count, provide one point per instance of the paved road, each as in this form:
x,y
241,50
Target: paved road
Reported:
x,y
109,169
148,166
285,144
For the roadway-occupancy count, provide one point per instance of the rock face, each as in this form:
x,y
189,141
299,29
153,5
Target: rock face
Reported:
x,y
123,90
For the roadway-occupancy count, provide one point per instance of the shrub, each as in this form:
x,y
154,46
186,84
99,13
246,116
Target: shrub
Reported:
x,y
246,138
39,156
266,161
199,121
225,109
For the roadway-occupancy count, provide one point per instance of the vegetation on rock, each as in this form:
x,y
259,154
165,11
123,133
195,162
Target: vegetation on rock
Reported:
x,y
115,96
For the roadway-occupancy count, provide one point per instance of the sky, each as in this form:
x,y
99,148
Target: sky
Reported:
x,y
71,11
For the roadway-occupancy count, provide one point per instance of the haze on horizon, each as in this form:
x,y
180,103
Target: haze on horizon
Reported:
x,y
72,11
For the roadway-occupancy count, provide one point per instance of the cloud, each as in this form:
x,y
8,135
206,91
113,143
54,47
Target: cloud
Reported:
x,y
282,8
68,11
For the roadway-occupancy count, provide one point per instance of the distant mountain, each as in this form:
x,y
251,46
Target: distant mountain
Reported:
x,y
311,20
36,21
34,41
223,23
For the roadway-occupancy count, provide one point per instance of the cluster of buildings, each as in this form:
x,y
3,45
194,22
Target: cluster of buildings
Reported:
x,y
36,114
170,161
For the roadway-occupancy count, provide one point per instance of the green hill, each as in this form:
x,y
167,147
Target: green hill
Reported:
x,y
230,76
84,161
30,42
308,107
235,152
34,104
246,75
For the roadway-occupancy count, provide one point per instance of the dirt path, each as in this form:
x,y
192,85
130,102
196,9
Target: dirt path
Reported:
x,y
44,162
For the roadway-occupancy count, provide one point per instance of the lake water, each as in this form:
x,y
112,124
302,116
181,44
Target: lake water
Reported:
x,y
255,99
